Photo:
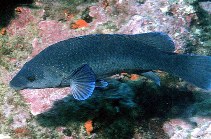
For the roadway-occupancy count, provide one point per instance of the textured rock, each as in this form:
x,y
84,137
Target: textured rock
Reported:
x,y
183,128
41,100
206,6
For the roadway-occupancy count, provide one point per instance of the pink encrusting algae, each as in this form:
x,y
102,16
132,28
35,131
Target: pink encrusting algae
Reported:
x,y
19,25
40,100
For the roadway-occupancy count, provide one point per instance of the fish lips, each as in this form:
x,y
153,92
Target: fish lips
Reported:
x,y
17,84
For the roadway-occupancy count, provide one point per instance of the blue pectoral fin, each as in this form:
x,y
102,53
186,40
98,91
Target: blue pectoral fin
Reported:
x,y
101,84
82,82
151,75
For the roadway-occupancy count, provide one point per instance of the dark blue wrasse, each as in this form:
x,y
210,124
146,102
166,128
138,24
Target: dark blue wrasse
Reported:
x,y
83,63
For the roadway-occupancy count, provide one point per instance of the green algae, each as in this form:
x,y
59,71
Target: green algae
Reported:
x,y
5,121
59,9
201,30
120,128
13,47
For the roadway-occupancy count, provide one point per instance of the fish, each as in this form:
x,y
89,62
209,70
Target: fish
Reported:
x,y
84,63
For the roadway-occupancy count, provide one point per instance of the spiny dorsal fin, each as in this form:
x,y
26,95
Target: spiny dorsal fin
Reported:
x,y
158,40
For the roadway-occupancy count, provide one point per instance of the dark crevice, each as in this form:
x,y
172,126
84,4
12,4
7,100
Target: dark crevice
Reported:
x,y
7,10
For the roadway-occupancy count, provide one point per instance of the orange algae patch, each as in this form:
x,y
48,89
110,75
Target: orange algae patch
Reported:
x,y
67,15
80,24
21,131
105,4
3,31
19,10
88,126
134,77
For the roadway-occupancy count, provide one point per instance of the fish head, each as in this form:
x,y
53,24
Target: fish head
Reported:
x,y
34,77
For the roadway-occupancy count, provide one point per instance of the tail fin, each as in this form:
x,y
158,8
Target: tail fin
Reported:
x,y
192,68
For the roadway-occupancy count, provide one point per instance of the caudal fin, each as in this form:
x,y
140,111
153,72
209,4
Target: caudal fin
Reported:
x,y
192,68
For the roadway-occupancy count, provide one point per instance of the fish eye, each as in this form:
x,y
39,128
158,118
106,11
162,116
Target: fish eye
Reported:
x,y
31,78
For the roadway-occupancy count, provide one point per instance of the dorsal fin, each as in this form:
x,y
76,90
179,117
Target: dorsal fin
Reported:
x,y
158,40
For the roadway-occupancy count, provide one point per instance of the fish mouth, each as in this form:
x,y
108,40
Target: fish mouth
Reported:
x,y
17,88
16,85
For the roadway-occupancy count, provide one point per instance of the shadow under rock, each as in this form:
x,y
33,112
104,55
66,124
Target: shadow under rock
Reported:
x,y
7,10
118,109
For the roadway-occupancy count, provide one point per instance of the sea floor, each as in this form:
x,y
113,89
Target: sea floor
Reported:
x,y
133,106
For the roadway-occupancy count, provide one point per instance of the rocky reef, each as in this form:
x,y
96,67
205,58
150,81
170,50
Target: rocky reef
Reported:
x,y
131,106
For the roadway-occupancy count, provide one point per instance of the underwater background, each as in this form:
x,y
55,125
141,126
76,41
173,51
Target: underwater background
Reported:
x,y
134,106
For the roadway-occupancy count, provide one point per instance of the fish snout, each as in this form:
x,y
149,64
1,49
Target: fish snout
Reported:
x,y
16,84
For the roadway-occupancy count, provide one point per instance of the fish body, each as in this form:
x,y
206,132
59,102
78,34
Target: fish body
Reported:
x,y
82,61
